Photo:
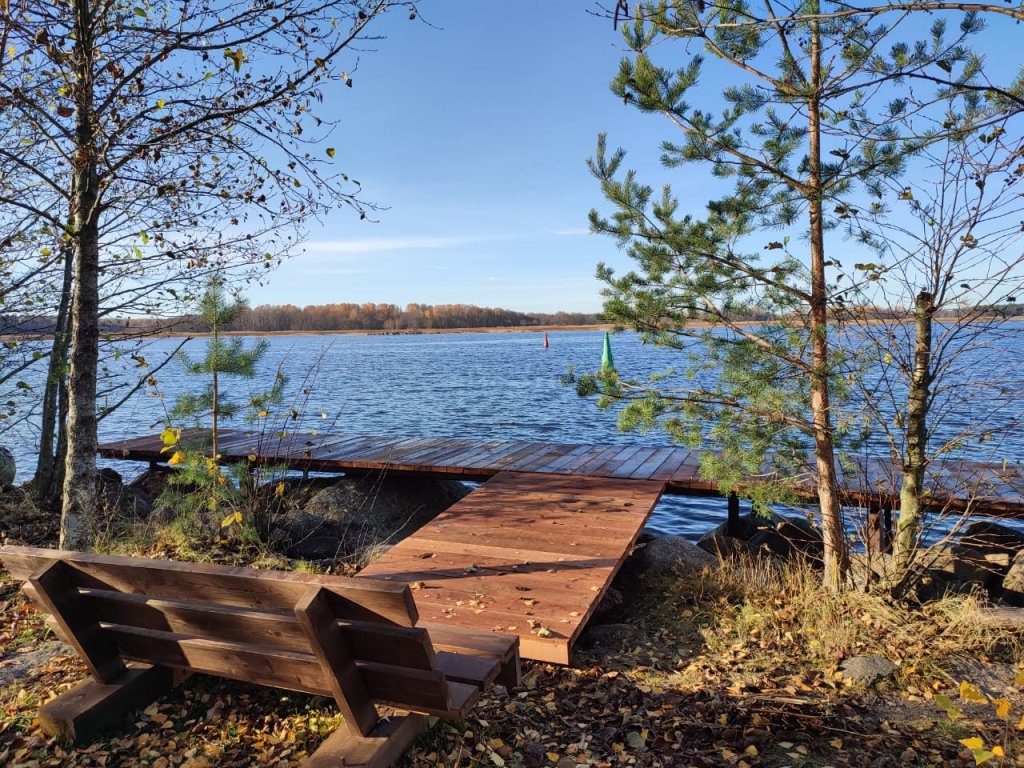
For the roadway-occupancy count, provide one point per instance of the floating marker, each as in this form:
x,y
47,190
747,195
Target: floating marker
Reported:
x,y
607,360
545,339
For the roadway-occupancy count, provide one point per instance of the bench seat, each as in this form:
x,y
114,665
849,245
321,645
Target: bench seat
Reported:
x,y
142,626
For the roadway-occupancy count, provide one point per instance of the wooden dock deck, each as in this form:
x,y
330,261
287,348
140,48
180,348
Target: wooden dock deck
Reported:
x,y
987,489
532,551
524,554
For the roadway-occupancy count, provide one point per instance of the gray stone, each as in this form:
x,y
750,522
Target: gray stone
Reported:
x,y
608,637
803,536
1013,583
119,501
18,666
985,552
867,669
770,543
716,542
356,514
153,481
611,604
8,467
866,572
668,555
136,503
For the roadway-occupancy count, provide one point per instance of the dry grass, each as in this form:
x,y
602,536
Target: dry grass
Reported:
x,y
773,609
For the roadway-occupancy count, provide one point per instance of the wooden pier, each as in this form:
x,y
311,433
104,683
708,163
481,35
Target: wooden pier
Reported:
x,y
524,554
984,489
532,551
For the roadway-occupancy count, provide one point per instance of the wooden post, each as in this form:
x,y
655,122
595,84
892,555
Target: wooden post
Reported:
x,y
732,524
878,530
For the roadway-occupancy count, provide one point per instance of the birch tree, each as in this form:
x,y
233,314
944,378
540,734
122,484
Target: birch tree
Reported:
x,y
176,138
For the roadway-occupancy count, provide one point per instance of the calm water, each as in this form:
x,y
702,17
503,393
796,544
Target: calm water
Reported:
x,y
489,386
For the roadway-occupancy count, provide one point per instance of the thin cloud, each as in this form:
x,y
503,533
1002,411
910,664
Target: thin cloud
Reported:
x,y
571,232
382,244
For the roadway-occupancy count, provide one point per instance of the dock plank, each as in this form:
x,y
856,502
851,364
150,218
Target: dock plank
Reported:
x,y
515,556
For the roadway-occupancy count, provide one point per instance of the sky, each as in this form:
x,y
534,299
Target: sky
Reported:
x,y
472,132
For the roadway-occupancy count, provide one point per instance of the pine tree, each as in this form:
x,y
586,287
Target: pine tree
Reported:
x,y
800,137
223,357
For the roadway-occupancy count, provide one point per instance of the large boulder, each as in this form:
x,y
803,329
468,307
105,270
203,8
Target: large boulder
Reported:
x,y
722,545
8,468
771,534
669,555
119,501
356,514
611,605
1013,583
985,551
153,481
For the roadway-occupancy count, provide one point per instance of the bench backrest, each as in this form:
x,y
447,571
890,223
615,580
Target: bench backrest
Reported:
x,y
352,639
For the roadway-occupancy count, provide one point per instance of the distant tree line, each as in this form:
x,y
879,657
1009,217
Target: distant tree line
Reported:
x,y
326,317
414,317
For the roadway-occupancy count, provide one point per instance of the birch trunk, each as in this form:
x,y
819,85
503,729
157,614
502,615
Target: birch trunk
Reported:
x,y
915,459
47,489
79,500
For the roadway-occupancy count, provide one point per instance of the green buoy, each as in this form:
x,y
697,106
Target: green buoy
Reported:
x,y
607,360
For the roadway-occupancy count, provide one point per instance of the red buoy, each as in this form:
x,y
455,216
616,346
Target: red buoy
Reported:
x,y
545,339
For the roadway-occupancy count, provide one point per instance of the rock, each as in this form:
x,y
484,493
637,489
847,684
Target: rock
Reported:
x,y
668,555
985,552
867,670
8,468
325,547
136,503
770,543
153,481
118,500
359,513
776,536
610,605
18,666
608,637
1013,583
803,536
746,526
721,545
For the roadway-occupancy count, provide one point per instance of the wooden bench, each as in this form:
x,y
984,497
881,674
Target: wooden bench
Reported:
x,y
142,626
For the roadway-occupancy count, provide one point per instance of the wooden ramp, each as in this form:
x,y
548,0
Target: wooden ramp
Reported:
x,y
525,554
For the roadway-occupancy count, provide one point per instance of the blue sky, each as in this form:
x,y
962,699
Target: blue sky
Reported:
x,y
473,131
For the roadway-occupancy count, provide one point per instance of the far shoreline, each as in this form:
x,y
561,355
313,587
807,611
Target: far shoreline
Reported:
x,y
172,334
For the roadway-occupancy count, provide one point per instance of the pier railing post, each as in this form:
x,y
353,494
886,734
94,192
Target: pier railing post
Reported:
x,y
878,531
732,524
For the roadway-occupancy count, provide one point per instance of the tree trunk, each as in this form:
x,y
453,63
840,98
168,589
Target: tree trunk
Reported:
x,y
47,490
915,459
836,557
79,502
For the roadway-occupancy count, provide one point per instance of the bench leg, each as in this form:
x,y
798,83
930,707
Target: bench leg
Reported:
x,y
510,673
381,749
94,706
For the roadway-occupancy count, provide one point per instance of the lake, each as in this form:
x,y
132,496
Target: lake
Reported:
x,y
488,386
